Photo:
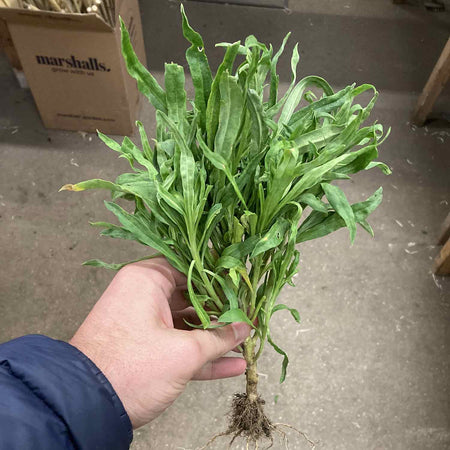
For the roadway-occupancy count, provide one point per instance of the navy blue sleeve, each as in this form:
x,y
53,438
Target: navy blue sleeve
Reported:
x,y
53,397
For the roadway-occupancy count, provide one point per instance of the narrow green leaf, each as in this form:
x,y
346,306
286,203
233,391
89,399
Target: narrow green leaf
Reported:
x,y
295,96
313,202
366,226
148,152
90,184
249,220
196,302
176,95
258,126
234,315
340,204
272,238
214,216
146,83
98,263
384,168
228,262
274,78
281,352
241,249
220,163
327,224
231,107
294,313
213,108
141,229
363,209
199,67
227,290
128,147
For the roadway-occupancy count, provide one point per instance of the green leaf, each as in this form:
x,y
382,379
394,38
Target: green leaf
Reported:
x,y
98,263
234,315
241,249
220,163
318,137
214,216
294,313
285,357
258,126
227,290
146,83
384,168
327,224
274,78
235,277
213,108
196,301
129,148
231,107
90,184
272,238
199,67
362,161
148,152
115,232
249,220
176,95
141,229
313,202
363,209
340,204
295,96
366,226
311,178
111,143
228,262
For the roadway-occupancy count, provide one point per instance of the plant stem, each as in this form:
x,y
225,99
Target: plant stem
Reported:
x,y
200,269
255,279
251,374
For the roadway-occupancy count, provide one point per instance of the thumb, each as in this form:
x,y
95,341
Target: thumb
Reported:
x,y
215,343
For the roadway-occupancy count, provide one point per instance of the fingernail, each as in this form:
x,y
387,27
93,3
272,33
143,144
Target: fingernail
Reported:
x,y
241,331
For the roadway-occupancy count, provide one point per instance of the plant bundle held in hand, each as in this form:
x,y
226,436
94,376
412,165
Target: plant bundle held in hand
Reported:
x,y
234,180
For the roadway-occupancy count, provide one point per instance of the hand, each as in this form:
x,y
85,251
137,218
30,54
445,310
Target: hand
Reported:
x,y
136,335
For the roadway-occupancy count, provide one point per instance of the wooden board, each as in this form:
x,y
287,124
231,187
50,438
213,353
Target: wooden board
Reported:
x,y
442,262
445,231
438,79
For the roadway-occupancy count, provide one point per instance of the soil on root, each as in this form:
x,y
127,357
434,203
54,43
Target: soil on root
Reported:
x,y
248,420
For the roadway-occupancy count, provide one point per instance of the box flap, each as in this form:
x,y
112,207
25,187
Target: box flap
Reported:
x,y
55,19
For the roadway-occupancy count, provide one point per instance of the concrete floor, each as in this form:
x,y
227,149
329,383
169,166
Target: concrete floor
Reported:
x,y
370,361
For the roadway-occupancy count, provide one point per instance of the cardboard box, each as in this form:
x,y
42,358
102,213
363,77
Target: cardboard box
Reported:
x,y
6,44
74,67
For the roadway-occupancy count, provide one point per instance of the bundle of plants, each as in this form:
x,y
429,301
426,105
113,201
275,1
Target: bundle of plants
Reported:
x,y
236,178
103,8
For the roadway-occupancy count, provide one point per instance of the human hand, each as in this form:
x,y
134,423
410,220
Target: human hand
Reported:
x,y
136,335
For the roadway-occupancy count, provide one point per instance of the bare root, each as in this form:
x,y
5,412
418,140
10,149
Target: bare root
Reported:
x,y
301,433
248,420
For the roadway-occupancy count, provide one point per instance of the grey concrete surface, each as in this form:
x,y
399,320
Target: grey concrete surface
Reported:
x,y
370,362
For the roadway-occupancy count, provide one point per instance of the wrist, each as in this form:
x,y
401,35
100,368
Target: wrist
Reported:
x,y
104,361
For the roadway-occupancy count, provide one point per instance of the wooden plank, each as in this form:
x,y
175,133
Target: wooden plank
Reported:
x,y
433,88
442,262
445,231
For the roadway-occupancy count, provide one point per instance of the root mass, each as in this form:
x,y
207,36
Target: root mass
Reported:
x,y
247,418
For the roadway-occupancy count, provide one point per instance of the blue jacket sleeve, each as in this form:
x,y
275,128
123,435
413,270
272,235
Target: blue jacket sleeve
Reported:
x,y
53,397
